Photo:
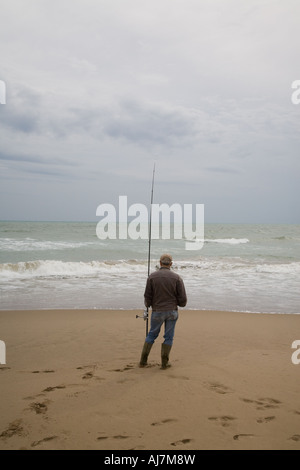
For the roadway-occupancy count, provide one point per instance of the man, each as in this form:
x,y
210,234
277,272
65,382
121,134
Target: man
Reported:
x,y
164,292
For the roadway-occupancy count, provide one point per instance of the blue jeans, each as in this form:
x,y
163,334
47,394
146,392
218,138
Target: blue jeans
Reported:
x,y
157,319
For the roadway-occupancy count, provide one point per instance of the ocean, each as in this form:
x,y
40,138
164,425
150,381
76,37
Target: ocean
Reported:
x,y
59,265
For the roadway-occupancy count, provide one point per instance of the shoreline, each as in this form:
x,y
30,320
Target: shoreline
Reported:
x,y
72,381
100,309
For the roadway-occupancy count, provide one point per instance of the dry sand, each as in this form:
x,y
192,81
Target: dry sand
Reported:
x,y
72,381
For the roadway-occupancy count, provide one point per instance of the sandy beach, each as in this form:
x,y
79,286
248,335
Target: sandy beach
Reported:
x,y
72,381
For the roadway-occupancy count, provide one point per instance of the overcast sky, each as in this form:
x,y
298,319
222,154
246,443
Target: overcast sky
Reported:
x,y
97,90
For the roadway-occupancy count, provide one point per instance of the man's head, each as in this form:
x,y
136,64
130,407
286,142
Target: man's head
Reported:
x,y
166,260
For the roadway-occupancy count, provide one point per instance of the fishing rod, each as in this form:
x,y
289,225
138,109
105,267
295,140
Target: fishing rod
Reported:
x,y
146,311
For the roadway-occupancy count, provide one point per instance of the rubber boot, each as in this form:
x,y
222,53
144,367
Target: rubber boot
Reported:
x,y
145,353
165,352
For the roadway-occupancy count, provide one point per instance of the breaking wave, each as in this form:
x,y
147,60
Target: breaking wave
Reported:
x,y
50,268
230,241
30,244
80,269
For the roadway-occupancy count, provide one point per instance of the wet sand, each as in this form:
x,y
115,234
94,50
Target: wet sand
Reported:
x,y
72,381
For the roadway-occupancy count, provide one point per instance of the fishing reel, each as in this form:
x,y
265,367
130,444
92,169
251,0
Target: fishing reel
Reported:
x,y
144,316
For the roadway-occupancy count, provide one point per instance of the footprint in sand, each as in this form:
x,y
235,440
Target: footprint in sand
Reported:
x,y
40,408
57,387
43,371
269,403
218,388
224,421
46,439
118,436
14,428
263,403
238,436
127,367
295,437
164,421
90,374
267,419
182,441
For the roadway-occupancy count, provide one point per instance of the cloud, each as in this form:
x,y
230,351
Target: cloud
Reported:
x,y
222,170
145,123
97,91
21,113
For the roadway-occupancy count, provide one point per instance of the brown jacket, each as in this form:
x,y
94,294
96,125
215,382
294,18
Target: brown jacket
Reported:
x,y
165,291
